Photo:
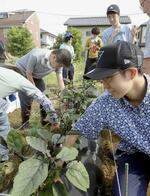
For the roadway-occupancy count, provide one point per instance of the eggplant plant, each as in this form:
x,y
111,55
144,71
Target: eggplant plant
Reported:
x,y
35,171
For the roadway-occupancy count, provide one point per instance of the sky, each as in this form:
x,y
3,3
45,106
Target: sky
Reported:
x,y
54,13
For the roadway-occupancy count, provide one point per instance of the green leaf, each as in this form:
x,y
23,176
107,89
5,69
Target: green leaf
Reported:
x,y
58,139
92,92
67,154
32,173
15,140
37,144
77,175
33,132
45,193
44,134
59,189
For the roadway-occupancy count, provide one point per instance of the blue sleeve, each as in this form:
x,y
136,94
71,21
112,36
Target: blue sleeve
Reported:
x,y
128,32
104,38
92,121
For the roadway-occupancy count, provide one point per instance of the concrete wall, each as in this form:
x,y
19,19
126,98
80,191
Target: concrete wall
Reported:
x,y
33,26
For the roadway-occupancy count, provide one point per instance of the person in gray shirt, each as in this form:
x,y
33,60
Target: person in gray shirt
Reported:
x,y
35,65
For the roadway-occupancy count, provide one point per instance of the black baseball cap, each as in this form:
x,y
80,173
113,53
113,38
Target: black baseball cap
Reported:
x,y
116,57
113,9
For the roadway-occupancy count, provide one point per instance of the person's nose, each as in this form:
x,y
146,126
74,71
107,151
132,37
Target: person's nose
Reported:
x,y
111,19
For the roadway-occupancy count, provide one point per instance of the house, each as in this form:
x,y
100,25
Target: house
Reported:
x,y
47,39
85,24
20,18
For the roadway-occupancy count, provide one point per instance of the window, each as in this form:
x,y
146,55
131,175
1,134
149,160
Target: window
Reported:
x,y
88,33
142,35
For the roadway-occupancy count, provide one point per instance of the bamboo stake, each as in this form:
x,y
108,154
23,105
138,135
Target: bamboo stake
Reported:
x,y
126,178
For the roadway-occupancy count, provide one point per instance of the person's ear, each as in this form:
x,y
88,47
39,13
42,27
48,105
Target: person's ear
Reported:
x,y
133,72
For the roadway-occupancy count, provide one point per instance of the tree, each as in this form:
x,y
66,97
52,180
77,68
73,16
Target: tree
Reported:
x,y
19,41
77,42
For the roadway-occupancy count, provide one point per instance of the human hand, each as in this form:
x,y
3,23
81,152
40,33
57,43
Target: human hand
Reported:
x,y
114,33
134,31
55,128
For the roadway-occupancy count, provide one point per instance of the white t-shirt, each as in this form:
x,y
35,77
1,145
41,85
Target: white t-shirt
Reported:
x,y
11,82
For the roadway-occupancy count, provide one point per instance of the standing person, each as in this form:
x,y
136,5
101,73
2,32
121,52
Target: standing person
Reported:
x,y
68,73
34,66
117,31
145,5
93,44
123,108
11,82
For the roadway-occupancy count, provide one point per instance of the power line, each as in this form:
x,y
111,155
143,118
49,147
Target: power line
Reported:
x,y
76,15
56,14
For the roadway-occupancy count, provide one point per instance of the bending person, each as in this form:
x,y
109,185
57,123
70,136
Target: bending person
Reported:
x,y
11,82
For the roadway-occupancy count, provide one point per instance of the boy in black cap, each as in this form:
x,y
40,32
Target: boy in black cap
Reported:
x,y
124,108
117,31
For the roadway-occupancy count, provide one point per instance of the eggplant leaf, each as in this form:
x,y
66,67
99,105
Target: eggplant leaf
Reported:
x,y
32,173
77,175
67,154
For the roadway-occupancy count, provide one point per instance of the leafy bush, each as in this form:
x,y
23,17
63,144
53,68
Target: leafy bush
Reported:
x,y
77,42
19,41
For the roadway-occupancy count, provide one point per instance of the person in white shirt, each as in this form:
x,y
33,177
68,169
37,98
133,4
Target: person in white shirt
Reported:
x,y
68,73
11,82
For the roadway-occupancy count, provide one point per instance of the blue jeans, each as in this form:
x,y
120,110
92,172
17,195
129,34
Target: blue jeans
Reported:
x,y
26,102
139,174
68,73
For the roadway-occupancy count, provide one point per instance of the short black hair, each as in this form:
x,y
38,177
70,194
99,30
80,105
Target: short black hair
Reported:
x,y
63,56
66,39
95,30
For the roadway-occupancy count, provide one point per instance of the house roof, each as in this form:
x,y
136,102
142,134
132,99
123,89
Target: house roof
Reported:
x,y
91,21
46,32
15,17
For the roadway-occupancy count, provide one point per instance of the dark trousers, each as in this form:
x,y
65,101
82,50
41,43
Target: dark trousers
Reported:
x,y
26,101
139,174
90,64
68,73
